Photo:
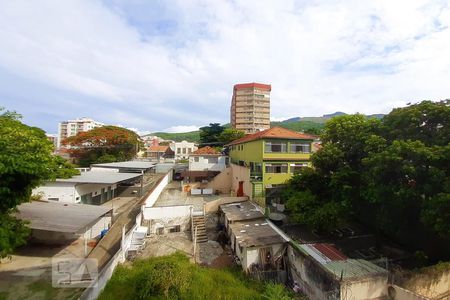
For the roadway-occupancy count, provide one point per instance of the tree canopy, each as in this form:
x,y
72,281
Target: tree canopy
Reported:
x,y
230,134
103,144
26,160
391,174
209,135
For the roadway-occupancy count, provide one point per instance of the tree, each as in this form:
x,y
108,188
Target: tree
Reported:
x,y
209,135
103,144
392,175
230,134
26,160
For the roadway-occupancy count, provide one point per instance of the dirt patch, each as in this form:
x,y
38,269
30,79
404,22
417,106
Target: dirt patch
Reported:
x,y
208,252
224,260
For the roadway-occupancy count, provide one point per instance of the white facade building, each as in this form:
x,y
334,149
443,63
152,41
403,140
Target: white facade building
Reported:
x,y
183,149
207,162
72,127
87,188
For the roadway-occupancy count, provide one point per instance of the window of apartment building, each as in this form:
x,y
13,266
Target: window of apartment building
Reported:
x,y
276,168
300,148
255,167
275,147
178,150
184,150
295,168
213,160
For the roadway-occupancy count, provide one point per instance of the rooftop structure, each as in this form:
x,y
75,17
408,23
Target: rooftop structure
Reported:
x,y
250,107
100,177
255,233
241,211
125,166
60,217
273,133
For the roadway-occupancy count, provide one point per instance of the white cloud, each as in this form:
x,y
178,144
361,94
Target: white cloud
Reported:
x,y
181,128
320,56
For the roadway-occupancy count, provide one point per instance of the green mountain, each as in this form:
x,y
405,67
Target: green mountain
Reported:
x,y
312,125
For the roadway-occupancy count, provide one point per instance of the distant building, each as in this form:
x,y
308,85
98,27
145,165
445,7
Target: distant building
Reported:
x,y
53,138
262,162
250,107
160,152
72,127
183,149
207,159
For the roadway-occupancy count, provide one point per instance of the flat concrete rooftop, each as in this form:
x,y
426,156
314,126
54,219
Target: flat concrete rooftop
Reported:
x,y
241,211
60,216
100,177
255,233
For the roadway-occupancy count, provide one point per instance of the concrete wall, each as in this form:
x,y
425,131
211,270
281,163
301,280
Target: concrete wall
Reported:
x,y
203,163
239,173
432,284
251,255
222,182
151,199
96,229
64,191
167,216
397,293
369,288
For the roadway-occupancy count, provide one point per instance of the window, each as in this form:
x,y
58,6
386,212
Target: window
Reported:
x,y
53,199
276,168
295,168
301,148
189,150
178,150
255,167
213,160
275,147
184,150
196,159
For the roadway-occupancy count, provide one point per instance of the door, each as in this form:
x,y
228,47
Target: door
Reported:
x,y
240,191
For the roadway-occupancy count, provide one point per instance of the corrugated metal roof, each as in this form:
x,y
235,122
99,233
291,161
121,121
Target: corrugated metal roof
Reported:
x,y
140,165
354,268
100,177
60,216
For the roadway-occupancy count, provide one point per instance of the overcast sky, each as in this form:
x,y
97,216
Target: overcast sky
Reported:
x,y
171,65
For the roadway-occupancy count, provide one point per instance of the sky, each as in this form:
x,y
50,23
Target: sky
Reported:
x,y
171,65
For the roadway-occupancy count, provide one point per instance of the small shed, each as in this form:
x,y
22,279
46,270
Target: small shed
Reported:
x,y
60,223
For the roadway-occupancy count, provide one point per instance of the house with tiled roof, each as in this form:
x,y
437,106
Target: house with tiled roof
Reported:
x,y
270,157
157,151
207,159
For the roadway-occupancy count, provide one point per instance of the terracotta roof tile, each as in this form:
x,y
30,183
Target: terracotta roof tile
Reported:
x,y
158,148
275,133
206,150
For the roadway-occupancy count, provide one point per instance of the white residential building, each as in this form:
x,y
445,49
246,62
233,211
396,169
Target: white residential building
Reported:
x,y
207,159
72,127
183,149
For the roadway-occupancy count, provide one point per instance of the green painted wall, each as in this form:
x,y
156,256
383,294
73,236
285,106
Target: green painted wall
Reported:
x,y
252,151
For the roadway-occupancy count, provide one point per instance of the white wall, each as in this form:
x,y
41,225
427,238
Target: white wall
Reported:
x,y
370,288
64,191
183,145
167,212
151,199
203,163
95,189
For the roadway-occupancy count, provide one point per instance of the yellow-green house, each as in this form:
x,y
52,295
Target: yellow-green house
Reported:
x,y
273,156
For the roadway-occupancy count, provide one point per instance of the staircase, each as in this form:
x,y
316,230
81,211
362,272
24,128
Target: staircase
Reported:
x,y
199,222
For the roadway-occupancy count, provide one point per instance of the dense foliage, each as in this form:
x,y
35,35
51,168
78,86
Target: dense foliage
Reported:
x,y
26,160
103,145
209,135
230,134
391,174
174,277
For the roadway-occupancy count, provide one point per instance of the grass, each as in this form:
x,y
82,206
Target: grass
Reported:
x,y
174,277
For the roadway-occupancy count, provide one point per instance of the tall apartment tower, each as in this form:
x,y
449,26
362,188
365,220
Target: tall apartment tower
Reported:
x,y
72,127
250,107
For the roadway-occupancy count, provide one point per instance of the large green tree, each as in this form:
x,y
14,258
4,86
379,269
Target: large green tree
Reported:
x,y
392,175
26,160
103,144
230,134
209,135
